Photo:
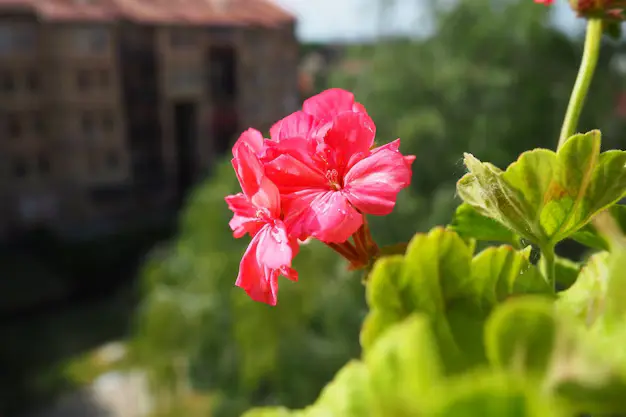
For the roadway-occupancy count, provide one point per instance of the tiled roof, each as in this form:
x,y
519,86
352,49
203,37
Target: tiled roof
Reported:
x,y
200,12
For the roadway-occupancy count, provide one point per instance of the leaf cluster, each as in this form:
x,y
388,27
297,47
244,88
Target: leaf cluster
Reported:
x,y
455,333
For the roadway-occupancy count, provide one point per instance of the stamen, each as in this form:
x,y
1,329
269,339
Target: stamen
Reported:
x,y
264,215
333,179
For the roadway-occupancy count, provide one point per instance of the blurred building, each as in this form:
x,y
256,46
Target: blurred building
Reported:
x,y
111,109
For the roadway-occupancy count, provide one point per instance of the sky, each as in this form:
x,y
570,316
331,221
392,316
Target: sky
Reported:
x,y
354,20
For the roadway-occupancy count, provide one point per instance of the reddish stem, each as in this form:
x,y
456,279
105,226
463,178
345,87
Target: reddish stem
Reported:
x,y
344,249
362,251
360,244
368,241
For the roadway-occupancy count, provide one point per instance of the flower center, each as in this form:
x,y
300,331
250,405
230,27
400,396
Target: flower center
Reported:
x,y
264,215
333,179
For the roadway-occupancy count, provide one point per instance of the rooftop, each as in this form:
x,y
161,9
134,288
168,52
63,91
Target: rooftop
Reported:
x,y
173,12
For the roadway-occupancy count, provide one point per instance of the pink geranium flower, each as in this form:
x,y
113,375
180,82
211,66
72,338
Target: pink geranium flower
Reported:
x,y
322,161
317,175
257,211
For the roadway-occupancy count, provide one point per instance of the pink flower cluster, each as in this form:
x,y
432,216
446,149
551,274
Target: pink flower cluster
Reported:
x,y
317,175
545,2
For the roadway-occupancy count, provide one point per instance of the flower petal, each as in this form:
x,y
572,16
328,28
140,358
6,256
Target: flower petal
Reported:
x,y
350,134
298,147
261,191
325,215
289,273
253,138
244,219
327,104
391,146
298,124
274,249
291,174
256,279
256,275
395,146
372,184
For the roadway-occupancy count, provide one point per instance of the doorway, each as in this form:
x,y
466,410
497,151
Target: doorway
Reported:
x,y
185,134
223,89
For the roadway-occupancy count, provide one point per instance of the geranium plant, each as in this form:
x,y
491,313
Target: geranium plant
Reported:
x,y
452,331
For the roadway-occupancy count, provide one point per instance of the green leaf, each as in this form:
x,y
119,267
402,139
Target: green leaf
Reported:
x,y
385,286
597,297
520,336
545,196
375,324
605,281
585,298
493,394
268,412
469,223
437,277
529,338
483,189
434,264
590,237
404,366
615,313
587,236
499,272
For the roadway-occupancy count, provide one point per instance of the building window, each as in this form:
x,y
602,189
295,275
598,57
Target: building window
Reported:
x,y
20,168
43,165
222,73
83,80
99,39
16,39
14,125
93,40
183,38
7,82
24,39
33,82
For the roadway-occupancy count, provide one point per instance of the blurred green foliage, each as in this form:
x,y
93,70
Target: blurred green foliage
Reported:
x,y
196,327
493,81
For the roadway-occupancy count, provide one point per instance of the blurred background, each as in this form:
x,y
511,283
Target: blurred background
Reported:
x,y
117,265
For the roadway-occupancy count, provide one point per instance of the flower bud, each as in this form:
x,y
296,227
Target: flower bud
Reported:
x,y
608,10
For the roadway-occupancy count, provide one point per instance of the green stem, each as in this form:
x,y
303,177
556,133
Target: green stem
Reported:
x,y
583,80
549,264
